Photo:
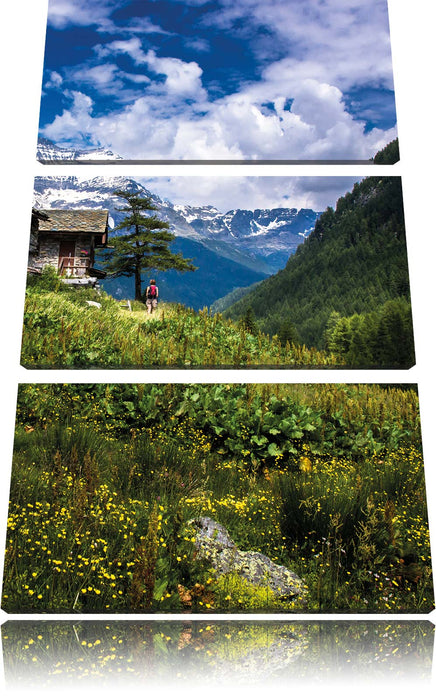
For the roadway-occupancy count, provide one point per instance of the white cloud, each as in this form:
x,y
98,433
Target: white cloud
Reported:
x,y
236,192
63,13
135,77
77,120
344,42
132,47
198,44
142,25
99,76
55,80
97,13
318,127
182,78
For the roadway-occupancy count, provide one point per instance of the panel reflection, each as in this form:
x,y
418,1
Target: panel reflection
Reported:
x,y
50,653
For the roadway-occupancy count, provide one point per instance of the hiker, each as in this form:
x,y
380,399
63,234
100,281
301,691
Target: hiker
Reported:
x,y
151,296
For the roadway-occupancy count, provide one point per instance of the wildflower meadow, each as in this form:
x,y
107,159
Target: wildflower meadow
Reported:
x,y
107,480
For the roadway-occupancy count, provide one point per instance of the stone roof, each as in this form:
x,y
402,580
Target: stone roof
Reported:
x,y
74,220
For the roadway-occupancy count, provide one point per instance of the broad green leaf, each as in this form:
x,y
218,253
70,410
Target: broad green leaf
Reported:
x,y
274,450
259,439
296,434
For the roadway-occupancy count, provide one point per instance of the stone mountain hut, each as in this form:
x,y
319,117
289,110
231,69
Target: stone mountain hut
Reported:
x,y
66,239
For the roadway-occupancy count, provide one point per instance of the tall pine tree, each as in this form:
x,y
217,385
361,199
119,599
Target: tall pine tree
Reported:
x,y
145,246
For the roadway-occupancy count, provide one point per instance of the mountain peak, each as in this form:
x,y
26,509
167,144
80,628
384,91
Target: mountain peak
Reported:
x,y
47,151
262,239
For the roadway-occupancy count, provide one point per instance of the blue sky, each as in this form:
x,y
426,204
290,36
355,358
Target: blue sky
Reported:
x,y
219,79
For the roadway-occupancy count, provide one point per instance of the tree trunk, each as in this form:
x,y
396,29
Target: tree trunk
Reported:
x,y
138,293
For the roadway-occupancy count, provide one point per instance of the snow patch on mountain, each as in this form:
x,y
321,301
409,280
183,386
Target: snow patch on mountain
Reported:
x,y
262,239
48,151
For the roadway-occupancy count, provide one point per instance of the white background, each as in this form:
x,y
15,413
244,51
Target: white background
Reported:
x,y
413,30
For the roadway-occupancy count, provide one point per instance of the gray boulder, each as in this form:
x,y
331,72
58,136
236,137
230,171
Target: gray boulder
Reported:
x,y
213,543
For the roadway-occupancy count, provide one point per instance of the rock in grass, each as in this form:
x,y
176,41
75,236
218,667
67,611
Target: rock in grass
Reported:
x,y
213,543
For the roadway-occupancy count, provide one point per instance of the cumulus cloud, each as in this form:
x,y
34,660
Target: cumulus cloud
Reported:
x,y
99,76
181,77
76,120
318,127
132,47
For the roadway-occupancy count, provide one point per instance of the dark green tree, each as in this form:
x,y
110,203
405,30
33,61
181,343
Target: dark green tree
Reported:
x,y
383,337
389,154
248,321
288,333
145,246
329,332
395,346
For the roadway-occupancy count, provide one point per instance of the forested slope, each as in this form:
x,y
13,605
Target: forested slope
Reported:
x,y
347,286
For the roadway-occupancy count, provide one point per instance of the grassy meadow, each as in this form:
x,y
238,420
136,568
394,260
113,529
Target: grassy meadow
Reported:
x,y
327,480
60,330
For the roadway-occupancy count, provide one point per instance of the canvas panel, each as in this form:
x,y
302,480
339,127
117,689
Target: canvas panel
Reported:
x,y
250,272
217,498
224,81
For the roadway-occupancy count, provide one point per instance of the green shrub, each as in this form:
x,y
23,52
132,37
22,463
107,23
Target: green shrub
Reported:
x,y
48,281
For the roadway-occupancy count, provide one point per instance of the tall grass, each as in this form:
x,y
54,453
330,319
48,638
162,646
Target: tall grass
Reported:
x,y
62,330
361,527
88,518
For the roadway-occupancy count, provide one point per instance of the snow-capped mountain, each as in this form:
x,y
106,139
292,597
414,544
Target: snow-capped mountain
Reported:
x,y
273,234
232,249
47,151
243,223
262,239
53,192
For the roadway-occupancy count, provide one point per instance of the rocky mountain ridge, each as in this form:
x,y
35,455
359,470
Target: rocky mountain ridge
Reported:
x,y
231,249
262,239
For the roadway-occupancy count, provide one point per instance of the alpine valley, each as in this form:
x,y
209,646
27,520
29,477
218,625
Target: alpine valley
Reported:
x,y
231,250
